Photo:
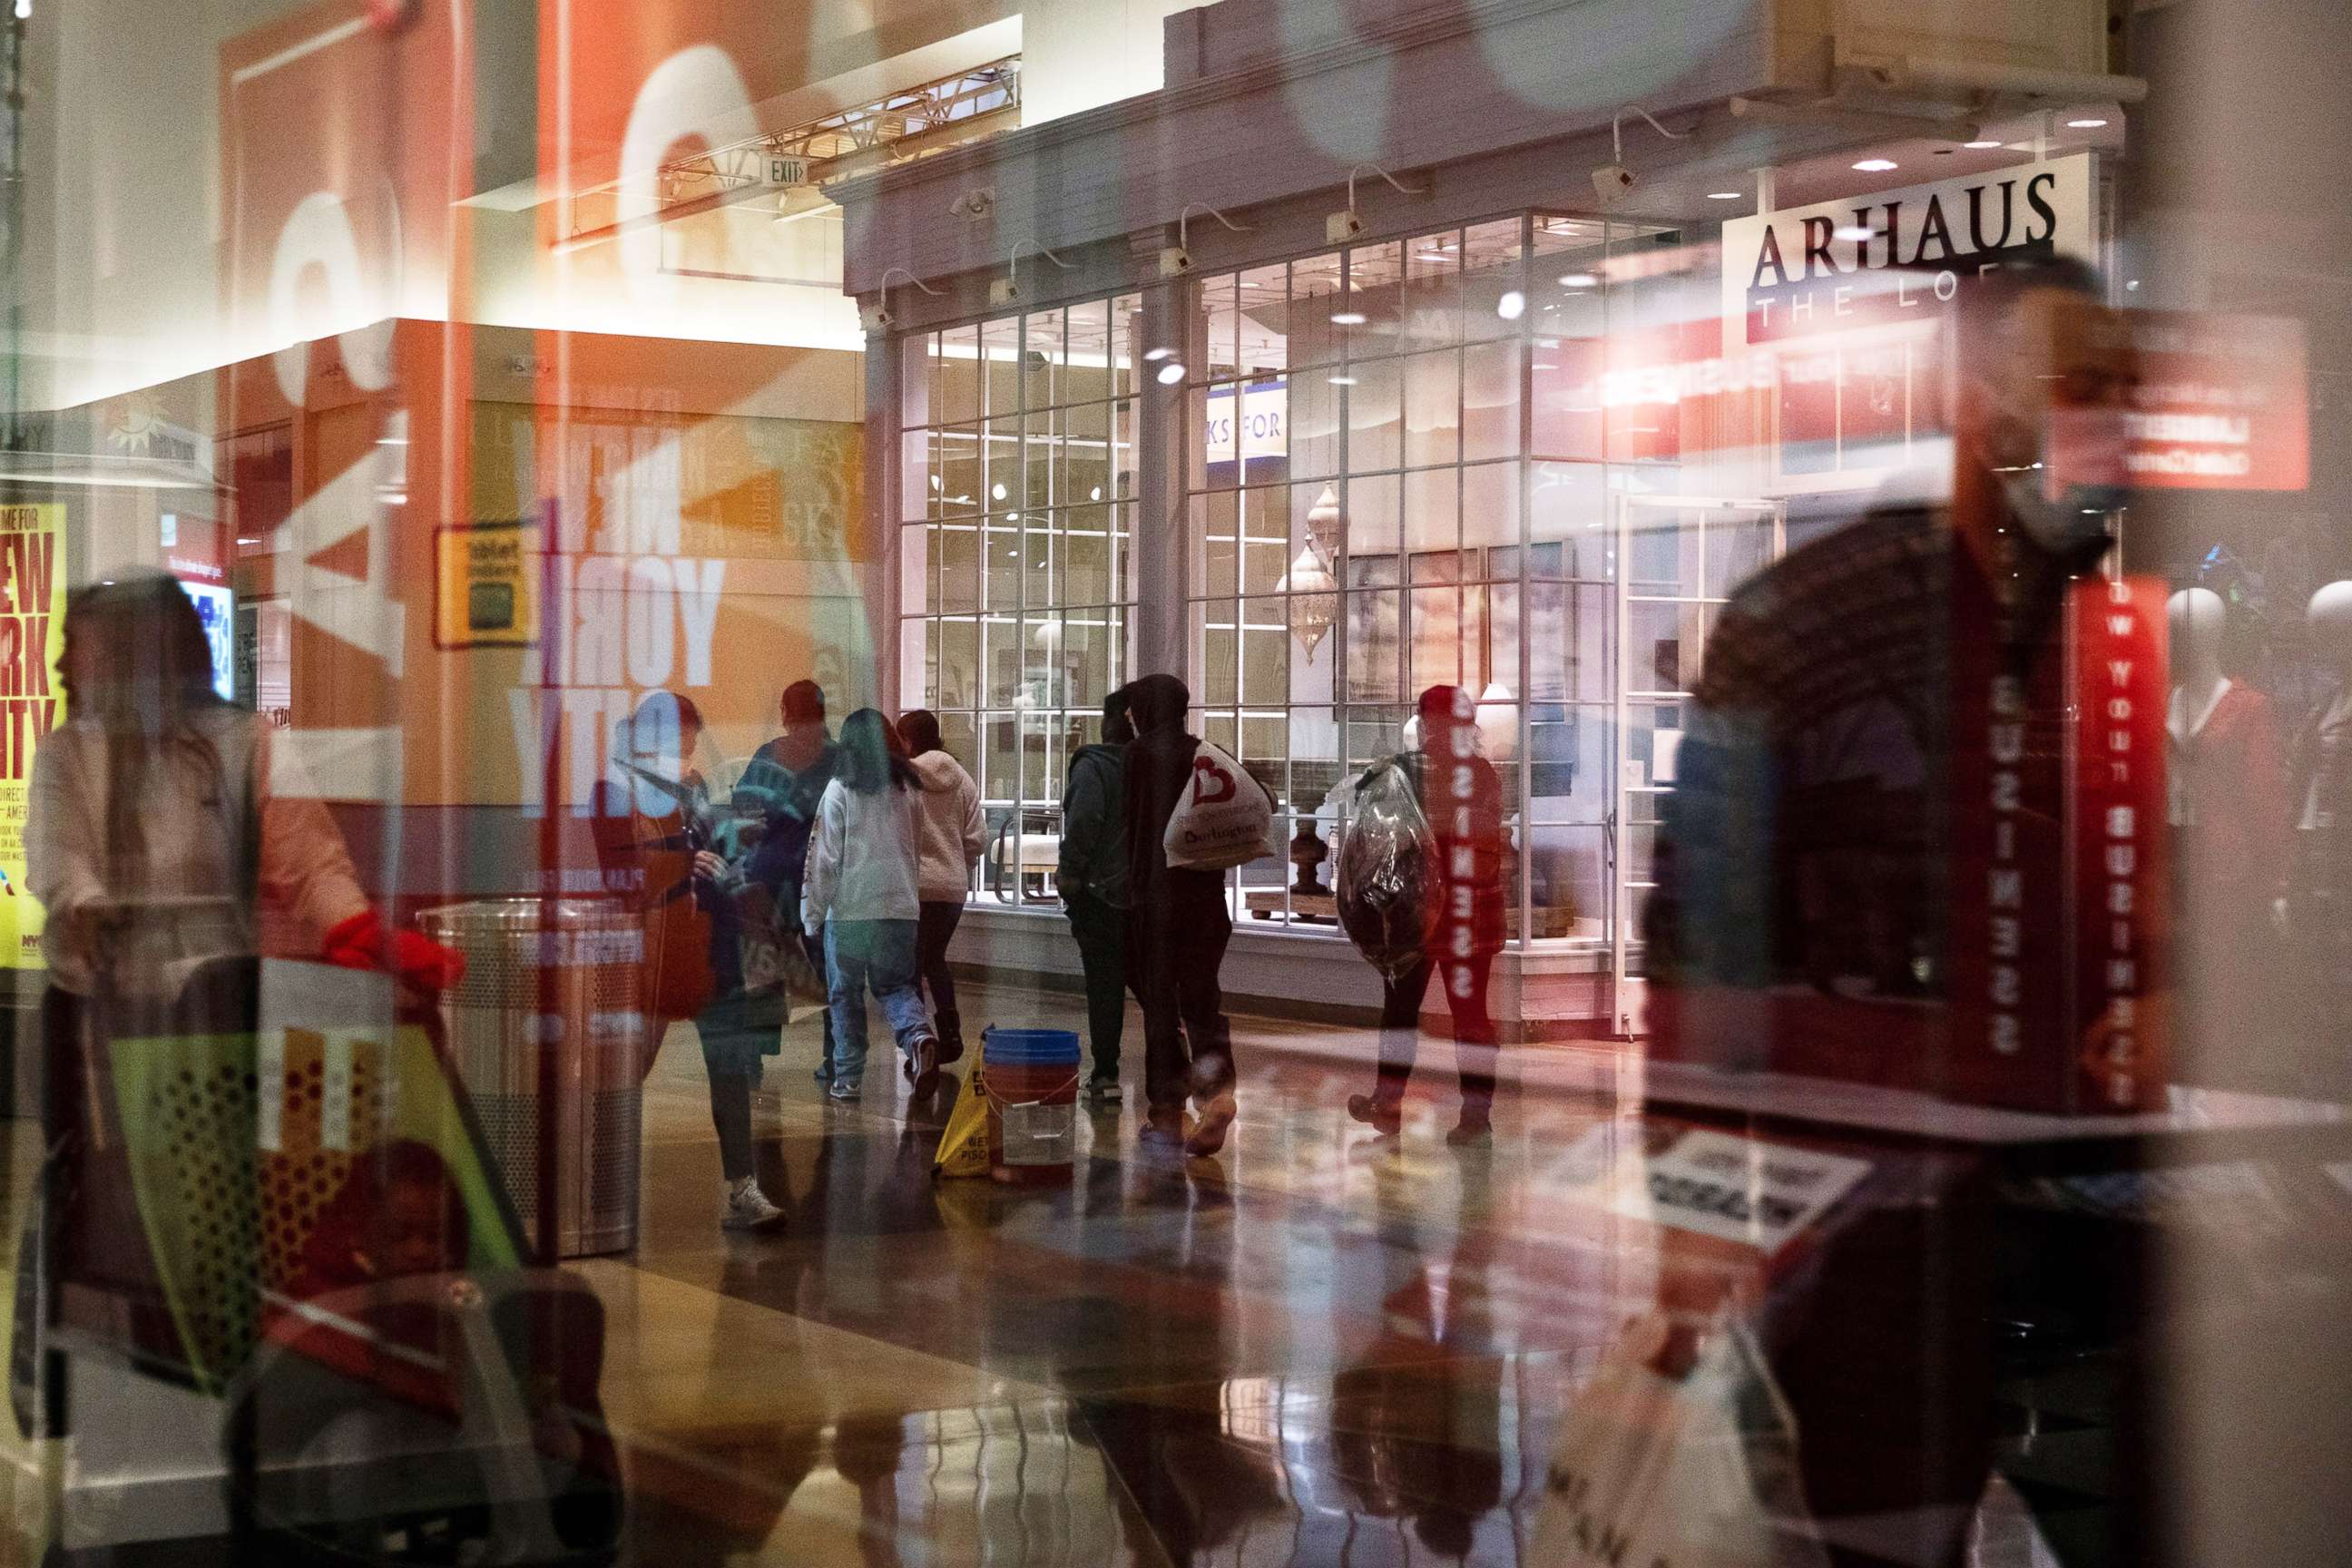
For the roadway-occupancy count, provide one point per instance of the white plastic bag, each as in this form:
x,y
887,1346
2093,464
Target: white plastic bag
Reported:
x,y
1695,1472
1224,817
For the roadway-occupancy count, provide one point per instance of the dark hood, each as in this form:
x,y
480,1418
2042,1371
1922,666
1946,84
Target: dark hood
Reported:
x,y
1101,752
1156,702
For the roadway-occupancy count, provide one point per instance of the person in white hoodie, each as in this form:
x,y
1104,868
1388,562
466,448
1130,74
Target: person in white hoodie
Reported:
x,y
861,891
953,835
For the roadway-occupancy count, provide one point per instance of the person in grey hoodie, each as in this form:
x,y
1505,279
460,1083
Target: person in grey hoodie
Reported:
x,y
946,807
1093,875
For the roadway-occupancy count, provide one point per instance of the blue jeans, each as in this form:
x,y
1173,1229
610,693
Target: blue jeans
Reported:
x,y
879,956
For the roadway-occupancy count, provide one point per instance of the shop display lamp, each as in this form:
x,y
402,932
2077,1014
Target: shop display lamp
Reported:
x,y
1314,600
1326,526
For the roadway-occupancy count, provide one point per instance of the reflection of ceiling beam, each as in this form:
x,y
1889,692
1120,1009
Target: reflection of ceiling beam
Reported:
x,y
914,123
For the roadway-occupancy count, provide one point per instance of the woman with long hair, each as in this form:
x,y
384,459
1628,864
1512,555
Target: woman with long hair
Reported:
x,y
167,828
863,891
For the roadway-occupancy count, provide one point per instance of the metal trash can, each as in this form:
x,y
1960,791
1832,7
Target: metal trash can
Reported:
x,y
590,1016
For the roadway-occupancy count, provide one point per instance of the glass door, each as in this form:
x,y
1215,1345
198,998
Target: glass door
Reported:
x,y
1678,558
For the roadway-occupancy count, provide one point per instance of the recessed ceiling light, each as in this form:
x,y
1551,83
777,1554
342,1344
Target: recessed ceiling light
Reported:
x,y
1153,356
1170,373
997,491
1577,280
1723,195
1876,165
1512,305
1980,146
1347,319
2085,124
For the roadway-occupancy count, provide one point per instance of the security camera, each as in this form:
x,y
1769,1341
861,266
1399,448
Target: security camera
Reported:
x,y
1612,180
1343,226
874,318
1003,291
1175,261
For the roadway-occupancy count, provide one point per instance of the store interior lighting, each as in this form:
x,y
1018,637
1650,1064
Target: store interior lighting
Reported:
x,y
1876,165
1170,373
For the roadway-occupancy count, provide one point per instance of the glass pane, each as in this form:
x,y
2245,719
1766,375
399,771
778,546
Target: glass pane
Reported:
x,y
1376,293
1432,408
959,684
1433,299
1374,424
959,398
1490,400
958,578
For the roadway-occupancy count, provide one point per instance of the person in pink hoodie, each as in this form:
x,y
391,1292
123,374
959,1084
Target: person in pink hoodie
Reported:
x,y
953,834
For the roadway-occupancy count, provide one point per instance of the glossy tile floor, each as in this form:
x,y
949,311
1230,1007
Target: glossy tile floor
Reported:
x,y
1319,1348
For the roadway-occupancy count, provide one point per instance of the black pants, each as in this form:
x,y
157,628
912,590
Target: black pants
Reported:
x,y
731,1115
1188,1046
1474,1026
935,929
1102,933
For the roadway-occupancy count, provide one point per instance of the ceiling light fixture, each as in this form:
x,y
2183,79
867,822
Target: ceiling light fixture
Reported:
x,y
1980,146
1170,373
1577,280
1876,165
1348,317
1856,233
1723,195
1342,380
1153,356
1512,305
2085,124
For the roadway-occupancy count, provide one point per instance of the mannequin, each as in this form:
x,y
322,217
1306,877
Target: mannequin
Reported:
x,y
2227,785
2317,907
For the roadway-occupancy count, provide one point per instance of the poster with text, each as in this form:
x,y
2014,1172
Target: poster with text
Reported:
x,y
32,635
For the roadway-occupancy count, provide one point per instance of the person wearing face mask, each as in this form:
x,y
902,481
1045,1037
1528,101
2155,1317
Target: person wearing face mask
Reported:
x,y
1806,865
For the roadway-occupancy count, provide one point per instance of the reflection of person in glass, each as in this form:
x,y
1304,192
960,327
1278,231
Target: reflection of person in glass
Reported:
x,y
169,828
1807,859
1462,800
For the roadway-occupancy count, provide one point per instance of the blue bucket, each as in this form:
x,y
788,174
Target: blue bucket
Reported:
x,y
1032,1094
1029,1048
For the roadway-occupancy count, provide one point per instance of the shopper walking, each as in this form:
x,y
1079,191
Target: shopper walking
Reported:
x,y
862,893
786,779
953,834
696,878
1177,926
1462,801
1093,881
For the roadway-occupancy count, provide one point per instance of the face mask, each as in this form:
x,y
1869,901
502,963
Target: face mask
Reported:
x,y
2063,505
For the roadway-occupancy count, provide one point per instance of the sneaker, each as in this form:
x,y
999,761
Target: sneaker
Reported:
x,y
1209,1132
1164,1128
1385,1117
923,1065
843,1092
1103,1089
824,1074
748,1208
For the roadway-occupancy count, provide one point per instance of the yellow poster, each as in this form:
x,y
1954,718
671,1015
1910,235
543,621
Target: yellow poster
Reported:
x,y
32,637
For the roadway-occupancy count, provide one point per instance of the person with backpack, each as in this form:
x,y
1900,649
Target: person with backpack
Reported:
x,y
953,834
863,892
1177,927
1461,800
1094,882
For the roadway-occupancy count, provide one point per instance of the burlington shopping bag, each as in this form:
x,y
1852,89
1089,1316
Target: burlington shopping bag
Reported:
x,y
1388,870
1692,1472
1224,817
964,1147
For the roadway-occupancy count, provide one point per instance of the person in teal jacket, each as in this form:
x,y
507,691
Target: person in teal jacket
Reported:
x,y
1093,874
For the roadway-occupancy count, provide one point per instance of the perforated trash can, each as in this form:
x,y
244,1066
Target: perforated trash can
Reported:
x,y
559,975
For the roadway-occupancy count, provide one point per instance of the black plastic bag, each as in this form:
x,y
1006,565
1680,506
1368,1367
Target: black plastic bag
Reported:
x,y
1388,870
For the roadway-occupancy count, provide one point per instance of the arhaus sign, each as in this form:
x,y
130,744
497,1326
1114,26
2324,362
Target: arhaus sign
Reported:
x,y
1895,255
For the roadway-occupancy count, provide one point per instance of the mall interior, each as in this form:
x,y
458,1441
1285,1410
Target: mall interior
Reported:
x,y
1769,583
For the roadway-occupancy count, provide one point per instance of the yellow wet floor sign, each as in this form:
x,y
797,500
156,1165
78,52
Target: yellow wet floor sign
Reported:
x,y
964,1147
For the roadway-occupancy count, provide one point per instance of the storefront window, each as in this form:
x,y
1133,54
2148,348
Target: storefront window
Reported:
x,y
1017,580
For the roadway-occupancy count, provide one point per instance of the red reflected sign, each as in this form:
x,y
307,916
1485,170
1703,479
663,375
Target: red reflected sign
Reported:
x,y
2223,403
